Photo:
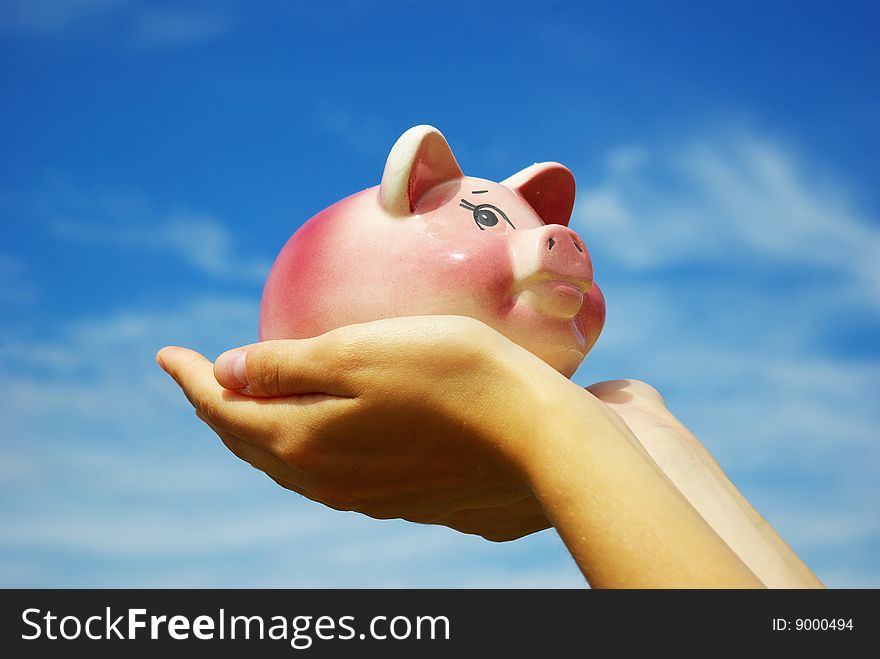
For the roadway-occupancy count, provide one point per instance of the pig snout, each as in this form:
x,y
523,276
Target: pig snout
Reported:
x,y
552,268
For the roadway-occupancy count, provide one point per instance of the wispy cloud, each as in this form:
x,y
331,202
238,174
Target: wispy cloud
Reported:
x,y
135,22
730,198
15,285
131,221
53,17
735,271
88,370
363,134
178,27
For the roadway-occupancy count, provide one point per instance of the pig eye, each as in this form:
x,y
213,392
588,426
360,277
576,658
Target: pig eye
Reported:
x,y
485,215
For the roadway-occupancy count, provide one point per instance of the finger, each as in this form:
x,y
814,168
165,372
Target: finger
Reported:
x,y
334,362
289,367
285,427
231,412
182,365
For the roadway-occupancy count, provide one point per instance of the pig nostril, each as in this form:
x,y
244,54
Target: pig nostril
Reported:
x,y
578,247
551,243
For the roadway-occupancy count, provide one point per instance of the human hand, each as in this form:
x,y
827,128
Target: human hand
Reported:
x,y
428,419
636,402
657,430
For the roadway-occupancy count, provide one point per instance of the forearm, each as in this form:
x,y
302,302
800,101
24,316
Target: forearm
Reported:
x,y
698,477
624,522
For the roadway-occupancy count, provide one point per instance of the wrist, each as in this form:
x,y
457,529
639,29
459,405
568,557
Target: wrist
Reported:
x,y
574,432
560,425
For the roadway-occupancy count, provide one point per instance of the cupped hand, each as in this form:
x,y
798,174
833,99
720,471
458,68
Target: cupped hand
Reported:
x,y
428,419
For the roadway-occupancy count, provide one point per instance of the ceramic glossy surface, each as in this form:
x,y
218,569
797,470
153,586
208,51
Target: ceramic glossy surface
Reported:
x,y
429,240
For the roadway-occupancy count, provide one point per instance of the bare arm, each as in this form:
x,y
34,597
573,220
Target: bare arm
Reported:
x,y
626,524
687,463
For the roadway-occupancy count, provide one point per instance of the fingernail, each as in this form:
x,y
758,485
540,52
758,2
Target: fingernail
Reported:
x,y
232,369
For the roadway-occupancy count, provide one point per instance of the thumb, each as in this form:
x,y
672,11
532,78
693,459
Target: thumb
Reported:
x,y
284,368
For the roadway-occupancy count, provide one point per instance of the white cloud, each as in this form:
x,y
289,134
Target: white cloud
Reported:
x,y
90,369
734,272
729,198
15,285
176,27
131,21
209,246
131,221
559,577
364,134
159,533
15,469
48,17
626,159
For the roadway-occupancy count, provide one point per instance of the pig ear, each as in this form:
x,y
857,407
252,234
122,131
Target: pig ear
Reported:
x,y
418,161
549,188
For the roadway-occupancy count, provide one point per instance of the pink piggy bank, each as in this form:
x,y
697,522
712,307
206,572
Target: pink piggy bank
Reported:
x,y
430,240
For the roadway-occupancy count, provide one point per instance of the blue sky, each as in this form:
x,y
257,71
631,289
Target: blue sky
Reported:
x,y
156,156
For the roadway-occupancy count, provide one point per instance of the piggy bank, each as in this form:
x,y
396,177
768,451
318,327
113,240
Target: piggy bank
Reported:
x,y
429,240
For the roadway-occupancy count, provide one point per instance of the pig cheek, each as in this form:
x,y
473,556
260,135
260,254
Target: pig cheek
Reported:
x,y
474,270
591,318
486,275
